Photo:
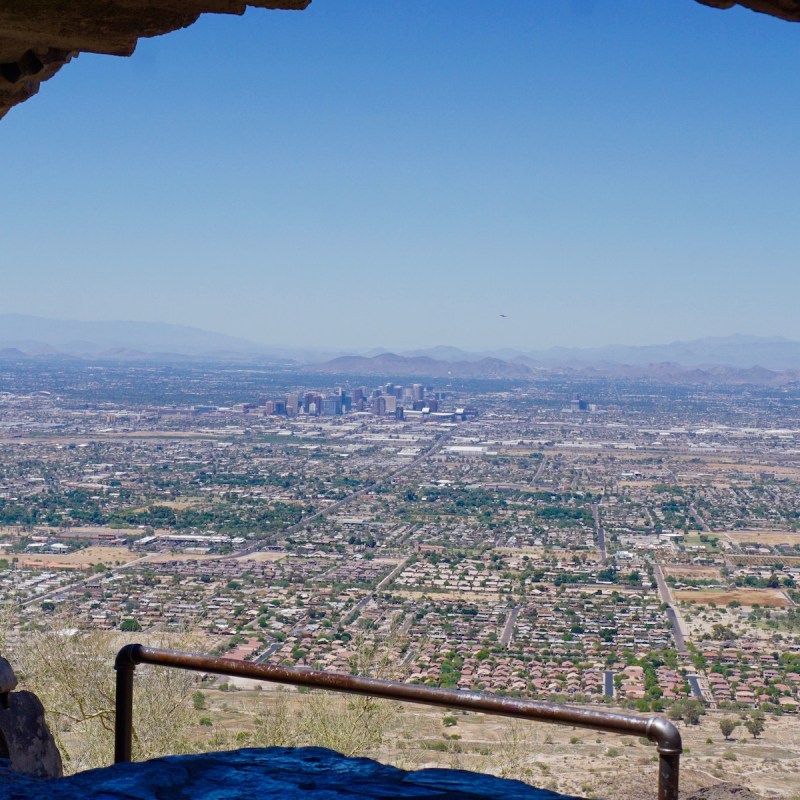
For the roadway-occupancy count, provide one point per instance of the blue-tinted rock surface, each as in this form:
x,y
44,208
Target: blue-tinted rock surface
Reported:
x,y
310,773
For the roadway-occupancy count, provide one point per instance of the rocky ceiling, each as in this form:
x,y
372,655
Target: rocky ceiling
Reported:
x,y
37,37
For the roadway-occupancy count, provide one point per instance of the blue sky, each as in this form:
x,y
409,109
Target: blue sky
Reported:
x,y
399,173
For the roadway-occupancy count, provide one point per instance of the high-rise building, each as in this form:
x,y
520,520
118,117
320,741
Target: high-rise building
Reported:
x,y
311,399
379,405
332,406
417,391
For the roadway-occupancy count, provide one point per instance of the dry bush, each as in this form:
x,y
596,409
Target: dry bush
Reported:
x,y
515,750
73,675
351,725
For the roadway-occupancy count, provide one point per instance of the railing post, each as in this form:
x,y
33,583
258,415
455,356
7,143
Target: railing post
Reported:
x,y
125,664
668,740
668,769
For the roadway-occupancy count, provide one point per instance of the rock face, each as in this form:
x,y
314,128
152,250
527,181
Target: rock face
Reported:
x,y
277,772
25,740
37,37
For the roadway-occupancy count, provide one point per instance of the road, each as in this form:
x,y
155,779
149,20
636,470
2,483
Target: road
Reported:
x,y
508,629
275,646
539,470
663,589
359,606
699,520
666,598
393,574
601,534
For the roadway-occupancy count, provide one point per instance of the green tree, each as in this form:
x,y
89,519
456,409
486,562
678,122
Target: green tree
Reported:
x,y
727,726
755,725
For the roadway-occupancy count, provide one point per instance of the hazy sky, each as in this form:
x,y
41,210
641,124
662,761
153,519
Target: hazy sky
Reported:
x,y
401,172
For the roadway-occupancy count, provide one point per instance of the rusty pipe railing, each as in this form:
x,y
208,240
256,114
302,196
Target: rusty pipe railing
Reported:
x,y
656,729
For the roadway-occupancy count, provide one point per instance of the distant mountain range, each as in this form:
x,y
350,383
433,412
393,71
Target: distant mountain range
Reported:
x,y
393,366
408,366
775,353
40,336
731,359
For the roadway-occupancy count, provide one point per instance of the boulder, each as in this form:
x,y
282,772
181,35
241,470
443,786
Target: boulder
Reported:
x,y
8,680
278,772
25,739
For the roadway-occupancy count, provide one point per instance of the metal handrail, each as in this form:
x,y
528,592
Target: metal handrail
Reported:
x,y
656,729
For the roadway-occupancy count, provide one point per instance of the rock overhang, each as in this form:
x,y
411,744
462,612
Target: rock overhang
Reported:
x,y
37,37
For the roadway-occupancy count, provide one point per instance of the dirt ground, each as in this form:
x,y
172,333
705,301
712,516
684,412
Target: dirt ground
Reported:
x,y
766,536
81,559
693,571
747,597
449,595
574,761
161,558
264,556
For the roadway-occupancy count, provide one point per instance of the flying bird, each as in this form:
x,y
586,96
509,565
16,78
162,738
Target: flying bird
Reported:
x,y
503,315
